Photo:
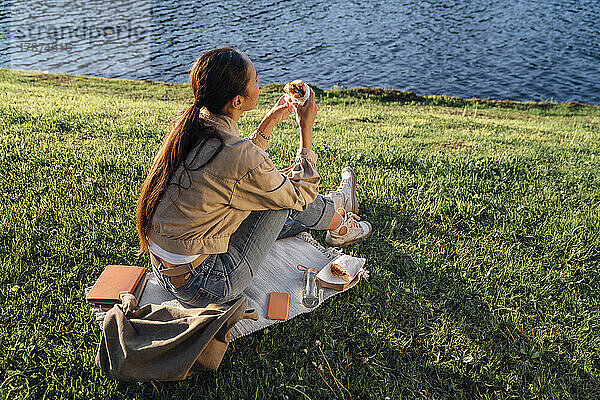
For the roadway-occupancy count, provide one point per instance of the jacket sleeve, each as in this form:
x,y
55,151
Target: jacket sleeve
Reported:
x,y
266,188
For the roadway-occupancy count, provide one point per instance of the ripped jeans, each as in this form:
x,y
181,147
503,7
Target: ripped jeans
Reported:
x,y
222,277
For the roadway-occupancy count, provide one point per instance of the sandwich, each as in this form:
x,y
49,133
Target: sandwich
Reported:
x,y
339,272
297,91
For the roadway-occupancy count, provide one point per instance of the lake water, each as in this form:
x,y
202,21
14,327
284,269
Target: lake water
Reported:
x,y
511,49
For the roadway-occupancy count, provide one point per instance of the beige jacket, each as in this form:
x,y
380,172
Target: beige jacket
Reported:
x,y
216,198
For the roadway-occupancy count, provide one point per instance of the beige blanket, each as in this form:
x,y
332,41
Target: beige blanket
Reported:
x,y
277,274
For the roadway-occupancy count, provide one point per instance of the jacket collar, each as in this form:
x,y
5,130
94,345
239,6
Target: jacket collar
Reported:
x,y
220,121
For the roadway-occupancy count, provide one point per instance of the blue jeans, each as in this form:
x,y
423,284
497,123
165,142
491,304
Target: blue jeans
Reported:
x,y
222,277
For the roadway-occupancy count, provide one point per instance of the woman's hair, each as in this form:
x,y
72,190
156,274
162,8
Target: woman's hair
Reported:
x,y
216,77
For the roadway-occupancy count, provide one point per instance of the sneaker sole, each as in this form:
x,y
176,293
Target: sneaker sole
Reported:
x,y
355,204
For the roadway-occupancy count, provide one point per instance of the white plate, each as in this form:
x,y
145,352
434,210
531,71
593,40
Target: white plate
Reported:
x,y
352,265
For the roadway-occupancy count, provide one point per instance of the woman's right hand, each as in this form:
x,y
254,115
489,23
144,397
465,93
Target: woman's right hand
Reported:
x,y
306,114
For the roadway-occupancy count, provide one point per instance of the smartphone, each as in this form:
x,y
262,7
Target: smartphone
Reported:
x,y
279,305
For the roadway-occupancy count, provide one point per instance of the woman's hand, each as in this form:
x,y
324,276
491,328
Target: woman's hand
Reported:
x,y
280,111
305,116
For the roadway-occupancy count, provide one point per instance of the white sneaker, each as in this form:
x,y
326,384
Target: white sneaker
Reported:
x,y
345,195
350,230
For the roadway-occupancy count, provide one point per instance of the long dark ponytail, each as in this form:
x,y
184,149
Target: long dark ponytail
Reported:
x,y
216,77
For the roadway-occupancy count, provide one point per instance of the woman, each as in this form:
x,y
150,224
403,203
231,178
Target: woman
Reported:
x,y
213,204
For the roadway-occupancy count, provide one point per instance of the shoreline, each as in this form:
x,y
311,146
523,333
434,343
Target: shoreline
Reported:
x,y
375,93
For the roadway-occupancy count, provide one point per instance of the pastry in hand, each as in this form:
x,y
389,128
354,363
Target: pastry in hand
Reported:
x,y
297,91
339,272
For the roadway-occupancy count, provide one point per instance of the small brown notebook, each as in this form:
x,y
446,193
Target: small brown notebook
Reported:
x,y
105,306
113,280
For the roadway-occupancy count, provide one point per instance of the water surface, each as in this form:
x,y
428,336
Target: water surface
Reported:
x,y
514,49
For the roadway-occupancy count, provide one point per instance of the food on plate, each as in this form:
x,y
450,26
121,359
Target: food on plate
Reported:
x,y
339,272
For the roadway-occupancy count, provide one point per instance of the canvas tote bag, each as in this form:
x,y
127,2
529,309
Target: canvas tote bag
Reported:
x,y
165,343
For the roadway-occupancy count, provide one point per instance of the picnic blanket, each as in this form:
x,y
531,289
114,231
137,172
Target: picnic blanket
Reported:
x,y
278,273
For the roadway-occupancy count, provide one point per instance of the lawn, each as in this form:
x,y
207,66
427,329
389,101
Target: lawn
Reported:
x,y
484,258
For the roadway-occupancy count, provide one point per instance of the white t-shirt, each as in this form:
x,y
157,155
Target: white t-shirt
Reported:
x,y
168,256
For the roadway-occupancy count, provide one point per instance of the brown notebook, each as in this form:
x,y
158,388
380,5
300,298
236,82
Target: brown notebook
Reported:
x,y
113,280
105,306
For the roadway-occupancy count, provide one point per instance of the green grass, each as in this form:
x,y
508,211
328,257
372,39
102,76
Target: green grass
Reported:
x,y
484,258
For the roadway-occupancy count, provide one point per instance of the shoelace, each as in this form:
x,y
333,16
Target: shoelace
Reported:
x,y
352,218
